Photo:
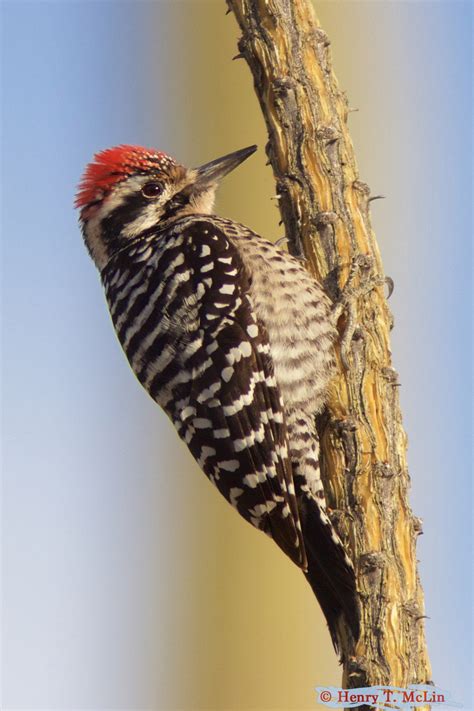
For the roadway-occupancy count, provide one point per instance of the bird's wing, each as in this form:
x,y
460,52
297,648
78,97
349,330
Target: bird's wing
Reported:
x,y
232,416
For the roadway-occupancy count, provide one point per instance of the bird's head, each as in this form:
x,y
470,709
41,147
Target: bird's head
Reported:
x,y
128,190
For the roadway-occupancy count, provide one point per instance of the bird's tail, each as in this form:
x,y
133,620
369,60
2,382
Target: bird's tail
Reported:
x,y
330,574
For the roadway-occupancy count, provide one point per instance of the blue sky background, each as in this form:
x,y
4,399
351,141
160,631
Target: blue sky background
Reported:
x,y
106,523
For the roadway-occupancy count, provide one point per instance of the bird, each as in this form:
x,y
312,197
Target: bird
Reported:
x,y
232,337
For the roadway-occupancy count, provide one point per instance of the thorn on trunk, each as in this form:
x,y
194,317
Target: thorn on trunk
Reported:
x,y
376,197
390,285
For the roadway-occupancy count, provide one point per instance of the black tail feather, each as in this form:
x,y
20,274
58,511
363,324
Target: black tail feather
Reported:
x,y
329,574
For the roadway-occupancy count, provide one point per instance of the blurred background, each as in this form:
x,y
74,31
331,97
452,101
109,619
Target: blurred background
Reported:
x,y
128,583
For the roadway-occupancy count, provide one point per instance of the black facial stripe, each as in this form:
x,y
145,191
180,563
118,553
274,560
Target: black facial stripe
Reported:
x,y
130,209
126,212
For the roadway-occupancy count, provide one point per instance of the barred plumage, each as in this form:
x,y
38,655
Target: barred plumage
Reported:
x,y
232,338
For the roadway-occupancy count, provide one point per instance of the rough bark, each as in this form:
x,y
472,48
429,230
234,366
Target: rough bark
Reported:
x,y
325,210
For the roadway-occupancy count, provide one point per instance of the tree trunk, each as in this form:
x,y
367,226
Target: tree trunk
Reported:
x,y
325,210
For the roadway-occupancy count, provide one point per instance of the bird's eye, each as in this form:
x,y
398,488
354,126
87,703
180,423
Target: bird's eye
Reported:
x,y
151,190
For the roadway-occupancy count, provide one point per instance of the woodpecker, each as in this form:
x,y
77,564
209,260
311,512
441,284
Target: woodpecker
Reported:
x,y
233,338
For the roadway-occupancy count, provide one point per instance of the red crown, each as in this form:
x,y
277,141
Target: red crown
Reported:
x,y
113,165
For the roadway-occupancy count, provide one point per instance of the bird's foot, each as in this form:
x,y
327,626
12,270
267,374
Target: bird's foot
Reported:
x,y
360,282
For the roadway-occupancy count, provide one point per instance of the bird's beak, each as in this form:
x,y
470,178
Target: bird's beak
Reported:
x,y
211,173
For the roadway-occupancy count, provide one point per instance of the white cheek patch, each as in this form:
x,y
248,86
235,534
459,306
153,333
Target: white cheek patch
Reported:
x,y
148,217
203,202
149,214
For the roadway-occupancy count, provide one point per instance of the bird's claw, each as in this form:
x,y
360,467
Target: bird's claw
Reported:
x,y
361,271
